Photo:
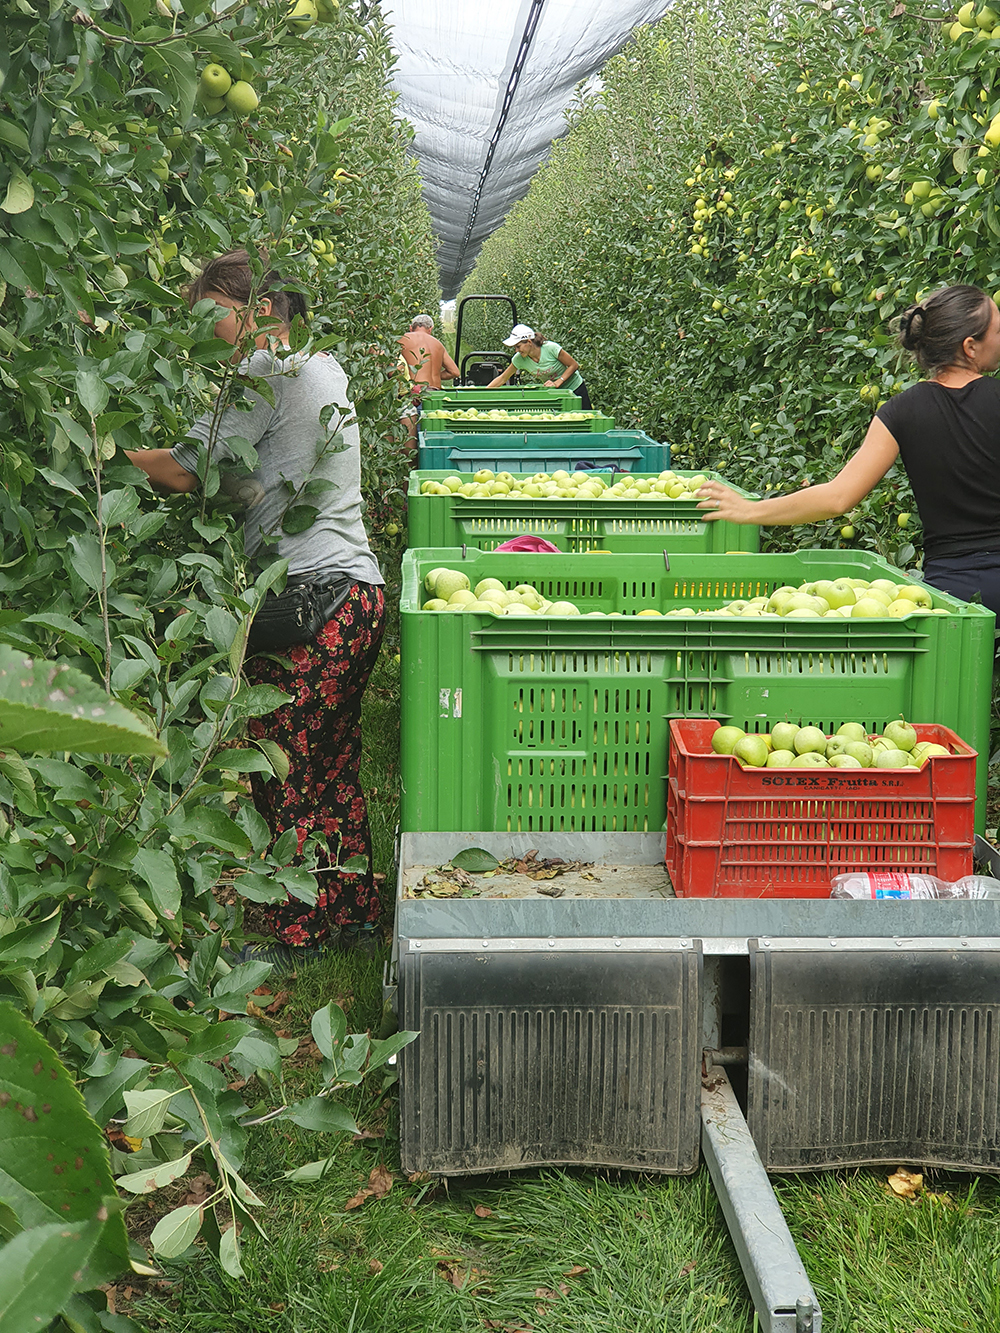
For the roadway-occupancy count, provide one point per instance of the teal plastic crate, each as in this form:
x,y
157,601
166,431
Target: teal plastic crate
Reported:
x,y
561,724
662,524
586,422
521,451
528,399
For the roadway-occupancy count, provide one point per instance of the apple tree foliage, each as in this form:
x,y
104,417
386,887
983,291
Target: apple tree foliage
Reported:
x,y
735,217
115,182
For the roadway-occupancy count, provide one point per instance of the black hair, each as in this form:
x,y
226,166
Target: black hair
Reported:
x,y
935,330
231,275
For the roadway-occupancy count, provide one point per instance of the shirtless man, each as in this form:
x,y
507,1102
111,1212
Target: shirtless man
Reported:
x,y
428,363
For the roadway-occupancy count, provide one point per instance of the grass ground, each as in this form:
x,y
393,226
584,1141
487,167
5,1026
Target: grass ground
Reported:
x,y
576,1251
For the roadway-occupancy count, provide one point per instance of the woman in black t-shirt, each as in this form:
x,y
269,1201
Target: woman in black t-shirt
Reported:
x,y
946,431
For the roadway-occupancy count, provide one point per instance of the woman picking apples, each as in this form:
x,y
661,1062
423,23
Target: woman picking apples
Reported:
x,y
946,430
324,664
544,361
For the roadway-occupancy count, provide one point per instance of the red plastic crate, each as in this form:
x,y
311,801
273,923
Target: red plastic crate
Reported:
x,y
735,832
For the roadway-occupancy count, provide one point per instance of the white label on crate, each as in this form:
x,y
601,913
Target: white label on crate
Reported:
x,y
444,697
457,708
764,693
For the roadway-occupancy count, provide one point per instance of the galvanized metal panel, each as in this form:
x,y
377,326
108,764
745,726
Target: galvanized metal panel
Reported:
x,y
529,1056
881,1054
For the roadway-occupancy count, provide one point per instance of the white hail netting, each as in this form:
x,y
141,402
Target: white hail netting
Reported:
x,y
485,84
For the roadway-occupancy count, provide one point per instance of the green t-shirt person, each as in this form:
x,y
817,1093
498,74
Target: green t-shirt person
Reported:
x,y
542,360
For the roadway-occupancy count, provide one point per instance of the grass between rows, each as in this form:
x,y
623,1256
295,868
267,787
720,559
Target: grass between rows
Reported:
x,y
581,1251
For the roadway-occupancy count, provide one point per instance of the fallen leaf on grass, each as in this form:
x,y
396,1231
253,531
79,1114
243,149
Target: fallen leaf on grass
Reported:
x,y
906,1184
547,1293
199,1189
452,1272
379,1185
368,1134
689,1267
481,1211
576,1270
380,1181
375,1265
276,1306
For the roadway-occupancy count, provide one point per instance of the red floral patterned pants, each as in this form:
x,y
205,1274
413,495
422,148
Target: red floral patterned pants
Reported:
x,y
320,732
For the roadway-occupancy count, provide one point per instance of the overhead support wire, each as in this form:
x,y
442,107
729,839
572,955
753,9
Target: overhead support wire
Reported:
x,y
520,60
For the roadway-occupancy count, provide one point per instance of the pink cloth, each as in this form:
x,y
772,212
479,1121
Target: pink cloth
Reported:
x,y
526,542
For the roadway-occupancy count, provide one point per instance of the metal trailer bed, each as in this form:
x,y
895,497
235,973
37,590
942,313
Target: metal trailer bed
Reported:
x,y
601,1027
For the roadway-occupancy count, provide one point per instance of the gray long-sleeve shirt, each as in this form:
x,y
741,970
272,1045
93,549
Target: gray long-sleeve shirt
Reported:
x,y
292,446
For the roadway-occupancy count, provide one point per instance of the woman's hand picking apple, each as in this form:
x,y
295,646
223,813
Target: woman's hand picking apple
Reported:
x,y
718,501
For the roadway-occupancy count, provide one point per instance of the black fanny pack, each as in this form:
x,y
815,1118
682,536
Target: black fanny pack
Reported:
x,y
298,614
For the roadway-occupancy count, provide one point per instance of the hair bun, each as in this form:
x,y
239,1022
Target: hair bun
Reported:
x,y
911,325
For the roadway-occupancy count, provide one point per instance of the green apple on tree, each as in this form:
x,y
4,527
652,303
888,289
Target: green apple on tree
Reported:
x,y
214,82
242,98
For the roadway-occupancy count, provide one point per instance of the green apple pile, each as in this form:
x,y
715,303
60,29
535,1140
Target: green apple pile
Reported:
x,y
450,590
562,485
502,414
830,598
218,91
791,746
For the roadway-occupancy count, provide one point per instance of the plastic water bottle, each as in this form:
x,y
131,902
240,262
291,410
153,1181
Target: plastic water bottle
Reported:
x,y
879,884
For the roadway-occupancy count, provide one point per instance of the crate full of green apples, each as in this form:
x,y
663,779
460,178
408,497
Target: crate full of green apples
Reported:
x,y
538,688
579,511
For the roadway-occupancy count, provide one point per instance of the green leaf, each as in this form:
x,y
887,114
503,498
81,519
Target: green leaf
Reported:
x,y
260,1050
50,706
17,773
276,757
92,392
174,1233
39,1271
310,1171
329,1028
229,1252
101,956
475,860
87,560
219,1039
147,1111
300,883
215,828
53,1159
299,518
258,700
259,888
321,1115
13,136
145,1182
30,941
158,870
241,761
20,194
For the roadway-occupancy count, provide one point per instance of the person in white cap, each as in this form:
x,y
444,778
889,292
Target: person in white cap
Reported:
x,y
543,361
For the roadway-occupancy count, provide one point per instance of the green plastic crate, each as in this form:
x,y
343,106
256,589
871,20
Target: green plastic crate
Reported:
x,y
528,399
588,422
674,526
561,724
521,451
